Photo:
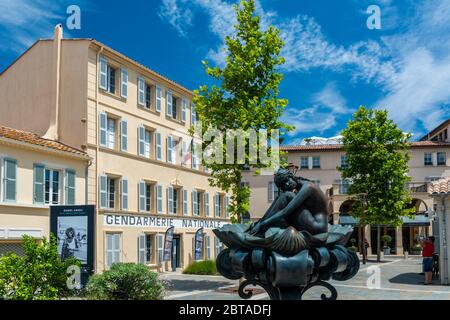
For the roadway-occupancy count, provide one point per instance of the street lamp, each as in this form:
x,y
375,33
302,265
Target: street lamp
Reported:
x,y
362,198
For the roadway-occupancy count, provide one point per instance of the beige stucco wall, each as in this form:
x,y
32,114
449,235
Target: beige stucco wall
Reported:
x,y
24,214
27,95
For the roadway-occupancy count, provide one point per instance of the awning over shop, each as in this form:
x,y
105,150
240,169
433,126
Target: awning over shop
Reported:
x,y
418,220
348,220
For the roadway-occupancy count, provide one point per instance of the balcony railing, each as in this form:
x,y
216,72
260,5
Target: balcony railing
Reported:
x,y
342,188
418,186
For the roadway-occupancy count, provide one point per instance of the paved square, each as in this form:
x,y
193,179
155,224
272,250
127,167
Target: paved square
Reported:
x,y
400,280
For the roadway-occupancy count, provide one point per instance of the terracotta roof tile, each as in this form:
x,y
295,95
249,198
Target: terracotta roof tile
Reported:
x,y
332,147
34,139
440,186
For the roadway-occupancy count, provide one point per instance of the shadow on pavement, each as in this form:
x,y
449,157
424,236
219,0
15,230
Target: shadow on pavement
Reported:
x,y
408,278
190,285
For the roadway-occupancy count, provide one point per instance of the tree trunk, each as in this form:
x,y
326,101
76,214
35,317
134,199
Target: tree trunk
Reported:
x,y
378,243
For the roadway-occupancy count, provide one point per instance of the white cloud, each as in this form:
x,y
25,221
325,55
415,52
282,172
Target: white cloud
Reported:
x,y
22,22
410,67
180,18
308,120
331,98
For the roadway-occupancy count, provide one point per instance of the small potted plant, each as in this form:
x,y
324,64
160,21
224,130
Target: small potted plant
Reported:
x,y
387,239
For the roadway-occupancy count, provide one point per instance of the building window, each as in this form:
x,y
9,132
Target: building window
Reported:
x,y
344,162
171,145
194,117
111,193
146,249
111,133
304,163
441,159
52,183
112,249
70,187
343,186
173,200
145,196
111,84
9,180
220,205
197,202
148,96
428,159
145,141
316,162
272,191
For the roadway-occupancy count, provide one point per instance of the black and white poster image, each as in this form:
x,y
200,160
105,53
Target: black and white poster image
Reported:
x,y
72,238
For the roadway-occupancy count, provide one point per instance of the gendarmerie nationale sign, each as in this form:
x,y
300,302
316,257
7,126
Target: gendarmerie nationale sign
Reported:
x,y
113,220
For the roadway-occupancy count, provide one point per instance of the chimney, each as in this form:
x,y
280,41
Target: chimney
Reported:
x,y
53,129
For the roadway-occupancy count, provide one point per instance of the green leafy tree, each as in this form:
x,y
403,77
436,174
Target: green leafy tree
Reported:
x,y
246,97
38,275
377,158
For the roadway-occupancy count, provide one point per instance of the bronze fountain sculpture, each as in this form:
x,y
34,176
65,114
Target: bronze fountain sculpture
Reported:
x,y
292,248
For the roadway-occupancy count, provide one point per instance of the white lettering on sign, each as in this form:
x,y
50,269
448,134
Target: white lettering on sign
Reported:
x,y
167,222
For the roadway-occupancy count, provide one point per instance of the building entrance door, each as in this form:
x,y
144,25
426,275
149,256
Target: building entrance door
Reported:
x,y
175,252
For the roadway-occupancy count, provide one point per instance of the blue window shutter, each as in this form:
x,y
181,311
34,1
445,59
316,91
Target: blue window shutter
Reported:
x,y
38,184
124,82
70,187
124,135
103,73
124,191
103,191
103,129
10,180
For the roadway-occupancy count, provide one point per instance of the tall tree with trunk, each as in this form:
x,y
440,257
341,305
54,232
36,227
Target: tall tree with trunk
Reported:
x,y
377,167
245,96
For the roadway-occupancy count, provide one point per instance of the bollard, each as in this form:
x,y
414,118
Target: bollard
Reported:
x,y
405,254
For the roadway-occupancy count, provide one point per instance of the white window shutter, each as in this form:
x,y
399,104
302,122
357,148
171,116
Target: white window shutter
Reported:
x,y
183,152
183,110
185,203
10,180
124,82
142,248
141,196
207,204
195,210
193,115
169,103
169,147
158,146
124,191
103,191
158,98
141,136
102,119
124,135
227,204
170,199
173,150
141,91
159,199
103,73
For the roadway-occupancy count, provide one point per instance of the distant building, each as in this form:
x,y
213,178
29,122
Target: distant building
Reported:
x,y
318,162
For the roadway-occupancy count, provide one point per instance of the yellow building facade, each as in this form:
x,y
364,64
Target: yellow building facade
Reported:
x,y
133,123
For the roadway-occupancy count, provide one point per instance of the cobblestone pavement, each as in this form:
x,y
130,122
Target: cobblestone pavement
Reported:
x,y
400,279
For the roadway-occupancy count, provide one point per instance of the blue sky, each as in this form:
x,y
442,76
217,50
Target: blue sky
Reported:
x,y
334,63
